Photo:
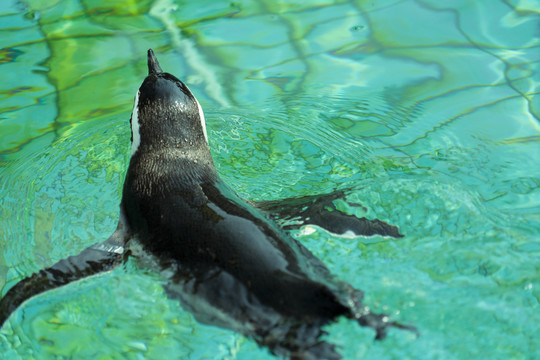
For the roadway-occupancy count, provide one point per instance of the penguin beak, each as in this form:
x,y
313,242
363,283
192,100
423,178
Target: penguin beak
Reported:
x,y
153,64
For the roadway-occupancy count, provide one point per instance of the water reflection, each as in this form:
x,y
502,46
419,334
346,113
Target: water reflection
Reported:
x,y
427,109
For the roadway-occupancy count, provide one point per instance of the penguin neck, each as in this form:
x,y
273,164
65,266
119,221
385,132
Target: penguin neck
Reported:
x,y
180,148
169,124
167,169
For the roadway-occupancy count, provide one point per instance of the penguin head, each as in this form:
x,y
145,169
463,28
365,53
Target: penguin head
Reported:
x,y
166,114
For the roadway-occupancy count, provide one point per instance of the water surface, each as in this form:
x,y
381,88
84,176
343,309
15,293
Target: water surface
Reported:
x,y
427,111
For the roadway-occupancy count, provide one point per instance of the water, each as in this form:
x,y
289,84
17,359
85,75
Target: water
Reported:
x,y
428,111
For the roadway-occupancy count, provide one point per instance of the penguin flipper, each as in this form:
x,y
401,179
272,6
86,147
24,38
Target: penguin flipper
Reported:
x,y
97,258
320,210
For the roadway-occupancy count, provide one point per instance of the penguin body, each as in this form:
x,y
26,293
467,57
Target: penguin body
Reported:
x,y
216,248
226,260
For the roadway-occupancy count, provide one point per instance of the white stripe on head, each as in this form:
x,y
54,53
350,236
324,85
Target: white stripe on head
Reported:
x,y
135,126
201,116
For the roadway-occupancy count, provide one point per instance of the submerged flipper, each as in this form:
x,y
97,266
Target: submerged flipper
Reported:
x,y
320,210
92,260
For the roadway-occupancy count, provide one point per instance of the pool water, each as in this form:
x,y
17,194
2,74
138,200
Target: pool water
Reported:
x,y
427,112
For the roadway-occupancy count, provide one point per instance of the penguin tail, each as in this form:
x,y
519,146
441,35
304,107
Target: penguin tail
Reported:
x,y
380,323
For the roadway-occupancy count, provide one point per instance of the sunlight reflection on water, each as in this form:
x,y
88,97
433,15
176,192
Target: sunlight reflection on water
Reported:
x,y
426,112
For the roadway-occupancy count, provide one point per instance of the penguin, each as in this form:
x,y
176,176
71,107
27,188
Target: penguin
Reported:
x,y
225,259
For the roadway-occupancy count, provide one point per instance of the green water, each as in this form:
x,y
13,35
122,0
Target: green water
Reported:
x,y
428,110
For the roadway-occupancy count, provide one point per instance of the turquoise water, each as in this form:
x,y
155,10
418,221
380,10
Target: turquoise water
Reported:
x,y
428,110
